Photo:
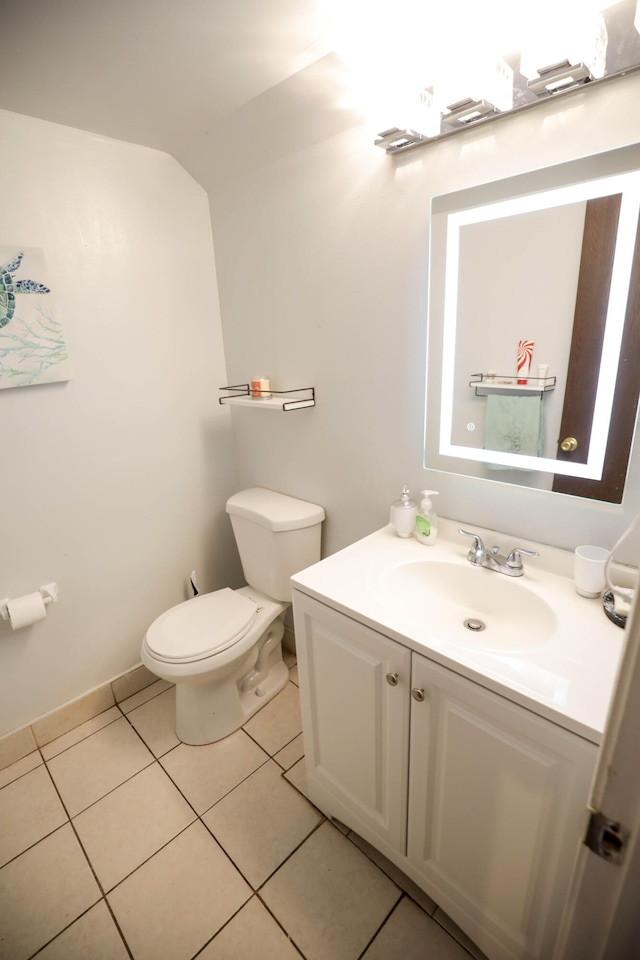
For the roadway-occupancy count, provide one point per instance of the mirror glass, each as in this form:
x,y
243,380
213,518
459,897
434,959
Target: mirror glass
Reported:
x,y
532,314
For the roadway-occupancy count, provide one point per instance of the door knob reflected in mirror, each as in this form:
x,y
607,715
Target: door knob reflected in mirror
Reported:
x,y
569,444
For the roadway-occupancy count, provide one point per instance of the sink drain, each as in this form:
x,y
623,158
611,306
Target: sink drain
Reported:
x,y
475,625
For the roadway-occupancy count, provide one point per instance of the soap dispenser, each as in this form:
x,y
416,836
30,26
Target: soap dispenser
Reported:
x,y
403,513
426,530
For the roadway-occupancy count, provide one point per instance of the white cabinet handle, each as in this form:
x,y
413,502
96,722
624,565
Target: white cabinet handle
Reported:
x,y
417,694
392,679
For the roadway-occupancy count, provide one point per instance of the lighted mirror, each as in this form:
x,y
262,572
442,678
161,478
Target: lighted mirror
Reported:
x,y
534,327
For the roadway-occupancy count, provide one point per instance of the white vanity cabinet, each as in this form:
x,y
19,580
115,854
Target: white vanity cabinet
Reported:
x,y
477,799
354,693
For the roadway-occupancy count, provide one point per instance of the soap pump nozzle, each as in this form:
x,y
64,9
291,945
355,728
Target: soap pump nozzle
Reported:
x,y
426,504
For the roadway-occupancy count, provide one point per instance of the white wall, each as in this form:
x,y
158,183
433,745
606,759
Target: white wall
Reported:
x,y
322,250
112,485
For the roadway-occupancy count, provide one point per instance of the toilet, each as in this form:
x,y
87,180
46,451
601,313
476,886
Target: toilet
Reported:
x,y
223,649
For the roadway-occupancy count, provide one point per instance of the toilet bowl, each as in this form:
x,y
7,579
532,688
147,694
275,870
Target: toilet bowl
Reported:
x,y
223,649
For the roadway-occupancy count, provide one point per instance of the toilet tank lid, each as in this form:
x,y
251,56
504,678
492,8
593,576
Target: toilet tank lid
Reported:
x,y
274,510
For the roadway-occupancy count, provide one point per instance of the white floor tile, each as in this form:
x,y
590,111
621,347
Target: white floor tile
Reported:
x,y
42,891
143,696
155,721
329,897
205,774
29,810
253,934
90,769
411,934
93,937
290,754
278,722
81,732
132,823
19,768
174,903
261,822
297,775
394,873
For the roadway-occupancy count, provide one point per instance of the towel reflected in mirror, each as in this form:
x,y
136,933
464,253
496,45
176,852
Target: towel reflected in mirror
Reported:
x,y
514,424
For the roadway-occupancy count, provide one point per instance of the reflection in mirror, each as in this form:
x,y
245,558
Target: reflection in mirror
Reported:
x,y
550,258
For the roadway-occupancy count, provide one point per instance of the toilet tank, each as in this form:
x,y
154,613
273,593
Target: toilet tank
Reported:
x,y
276,535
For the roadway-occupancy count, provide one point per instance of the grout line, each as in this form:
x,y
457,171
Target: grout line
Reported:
x,y
382,924
64,929
82,739
144,702
284,930
27,772
151,856
225,924
289,855
453,936
118,928
108,793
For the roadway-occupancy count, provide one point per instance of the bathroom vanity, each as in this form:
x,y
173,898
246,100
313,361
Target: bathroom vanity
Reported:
x,y
464,756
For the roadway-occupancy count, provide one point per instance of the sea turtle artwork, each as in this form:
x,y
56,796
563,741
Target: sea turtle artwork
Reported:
x,y
33,349
10,286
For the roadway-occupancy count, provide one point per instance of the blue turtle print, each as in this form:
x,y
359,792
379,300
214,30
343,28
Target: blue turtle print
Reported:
x,y
9,287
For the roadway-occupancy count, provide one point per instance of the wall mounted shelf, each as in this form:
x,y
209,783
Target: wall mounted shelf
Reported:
x,y
499,384
241,395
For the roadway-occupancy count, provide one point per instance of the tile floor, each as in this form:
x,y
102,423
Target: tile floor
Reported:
x,y
117,841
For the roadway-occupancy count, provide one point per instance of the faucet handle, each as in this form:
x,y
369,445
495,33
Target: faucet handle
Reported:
x,y
478,551
515,557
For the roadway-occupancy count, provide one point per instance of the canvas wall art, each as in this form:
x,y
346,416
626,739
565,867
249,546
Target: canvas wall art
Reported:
x,y
32,344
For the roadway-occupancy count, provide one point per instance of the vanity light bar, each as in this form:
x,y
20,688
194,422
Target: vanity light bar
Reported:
x,y
558,77
463,113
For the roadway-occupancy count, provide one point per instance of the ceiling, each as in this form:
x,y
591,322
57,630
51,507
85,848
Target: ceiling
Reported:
x,y
193,77
163,73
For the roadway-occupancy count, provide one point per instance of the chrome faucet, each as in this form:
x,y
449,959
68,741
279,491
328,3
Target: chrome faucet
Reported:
x,y
479,556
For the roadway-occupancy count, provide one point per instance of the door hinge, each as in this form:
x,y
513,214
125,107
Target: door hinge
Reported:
x,y
606,837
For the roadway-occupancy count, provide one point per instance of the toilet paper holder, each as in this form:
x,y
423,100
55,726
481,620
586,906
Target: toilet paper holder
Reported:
x,y
49,594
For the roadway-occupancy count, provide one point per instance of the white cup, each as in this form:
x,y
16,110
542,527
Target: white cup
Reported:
x,y
588,570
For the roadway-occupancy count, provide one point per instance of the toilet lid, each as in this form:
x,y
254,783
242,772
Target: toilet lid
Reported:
x,y
200,627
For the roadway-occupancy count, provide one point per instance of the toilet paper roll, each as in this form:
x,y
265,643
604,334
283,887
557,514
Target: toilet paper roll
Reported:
x,y
26,610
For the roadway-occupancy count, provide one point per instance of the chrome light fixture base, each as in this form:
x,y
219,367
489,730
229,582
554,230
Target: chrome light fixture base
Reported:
x,y
464,112
558,77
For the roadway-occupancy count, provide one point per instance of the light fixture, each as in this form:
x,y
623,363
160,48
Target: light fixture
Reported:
x,y
395,139
468,111
559,76
582,42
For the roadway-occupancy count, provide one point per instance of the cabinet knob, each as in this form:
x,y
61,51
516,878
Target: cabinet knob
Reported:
x,y
569,444
417,694
392,679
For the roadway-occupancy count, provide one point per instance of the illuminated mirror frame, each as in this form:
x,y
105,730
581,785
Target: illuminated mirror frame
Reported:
x,y
615,172
629,186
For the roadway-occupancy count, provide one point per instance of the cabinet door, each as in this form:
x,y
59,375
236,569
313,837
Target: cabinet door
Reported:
x,y
355,723
497,803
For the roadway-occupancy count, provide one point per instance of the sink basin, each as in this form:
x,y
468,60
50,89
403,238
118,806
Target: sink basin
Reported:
x,y
449,599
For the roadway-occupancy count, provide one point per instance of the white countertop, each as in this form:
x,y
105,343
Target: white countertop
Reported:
x,y
568,677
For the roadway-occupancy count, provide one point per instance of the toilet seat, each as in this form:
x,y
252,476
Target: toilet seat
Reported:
x,y
201,627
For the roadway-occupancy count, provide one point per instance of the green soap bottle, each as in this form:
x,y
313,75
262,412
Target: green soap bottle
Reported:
x,y
427,520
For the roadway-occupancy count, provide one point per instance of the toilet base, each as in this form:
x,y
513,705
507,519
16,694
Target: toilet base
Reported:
x,y
211,710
